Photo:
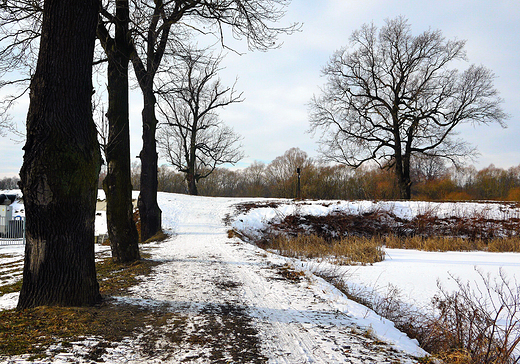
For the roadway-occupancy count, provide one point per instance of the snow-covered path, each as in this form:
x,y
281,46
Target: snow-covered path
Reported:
x,y
218,299
229,288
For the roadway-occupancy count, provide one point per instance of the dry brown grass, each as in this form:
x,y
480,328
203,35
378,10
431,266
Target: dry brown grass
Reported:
x,y
446,243
33,331
454,357
509,244
435,243
368,250
345,251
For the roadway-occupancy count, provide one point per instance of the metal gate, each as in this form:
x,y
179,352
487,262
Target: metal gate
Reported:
x,y
12,232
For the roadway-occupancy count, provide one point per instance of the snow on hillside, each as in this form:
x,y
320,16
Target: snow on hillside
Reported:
x,y
416,274
295,322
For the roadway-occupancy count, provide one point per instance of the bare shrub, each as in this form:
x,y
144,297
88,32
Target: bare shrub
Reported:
x,y
340,224
425,231
462,327
483,323
386,303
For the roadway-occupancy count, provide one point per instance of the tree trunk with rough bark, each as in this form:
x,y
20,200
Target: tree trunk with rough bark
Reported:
x,y
61,162
122,231
404,182
149,210
192,184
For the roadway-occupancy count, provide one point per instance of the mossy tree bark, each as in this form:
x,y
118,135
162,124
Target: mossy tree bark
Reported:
x,y
61,162
117,184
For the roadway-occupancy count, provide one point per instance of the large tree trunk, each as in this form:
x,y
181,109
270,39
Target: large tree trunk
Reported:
x,y
149,210
118,188
190,175
404,183
61,162
192,184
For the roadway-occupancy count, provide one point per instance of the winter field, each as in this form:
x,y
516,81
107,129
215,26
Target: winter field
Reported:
x,y
257,312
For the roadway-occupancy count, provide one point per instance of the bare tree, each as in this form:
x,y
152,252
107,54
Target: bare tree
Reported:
x,y
20,22
254,20
61,162
9,183
391,96
193,138
150,39
113,34
281,172
5,124
255,178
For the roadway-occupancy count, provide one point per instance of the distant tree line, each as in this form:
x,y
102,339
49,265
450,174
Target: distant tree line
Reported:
x,y
9,183
432,180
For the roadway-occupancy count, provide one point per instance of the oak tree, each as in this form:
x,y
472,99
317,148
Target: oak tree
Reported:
x,y
252,20
61,162
113,34
391,96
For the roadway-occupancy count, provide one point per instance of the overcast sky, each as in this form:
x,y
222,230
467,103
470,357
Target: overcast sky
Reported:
x,y
278,84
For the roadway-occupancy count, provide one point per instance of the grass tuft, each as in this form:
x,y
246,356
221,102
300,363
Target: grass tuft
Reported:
x,y
11,288
160,236
33,331
345,251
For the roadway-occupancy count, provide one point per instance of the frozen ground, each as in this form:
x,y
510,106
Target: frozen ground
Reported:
x,y
239,291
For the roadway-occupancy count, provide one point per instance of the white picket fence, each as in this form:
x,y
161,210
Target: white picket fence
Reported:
x,y
12,232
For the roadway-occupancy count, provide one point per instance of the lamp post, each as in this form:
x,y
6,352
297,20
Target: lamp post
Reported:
x,y
299,192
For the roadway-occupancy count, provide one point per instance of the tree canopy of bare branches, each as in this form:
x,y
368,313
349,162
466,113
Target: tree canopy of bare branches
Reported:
x,y
253,20
149,39
20,28
392,95
193,138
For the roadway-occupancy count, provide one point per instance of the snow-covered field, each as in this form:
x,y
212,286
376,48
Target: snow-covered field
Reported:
x,y
416,274
294,322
